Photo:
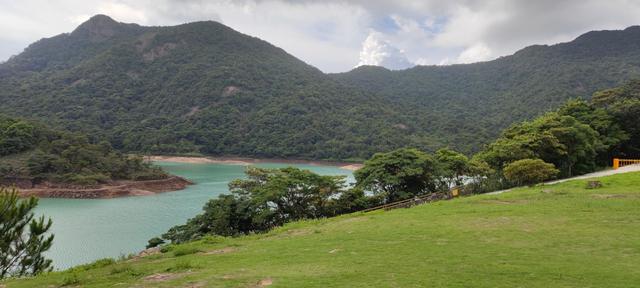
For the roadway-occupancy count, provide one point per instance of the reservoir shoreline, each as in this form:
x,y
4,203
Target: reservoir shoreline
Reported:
x,y
250,161
114,189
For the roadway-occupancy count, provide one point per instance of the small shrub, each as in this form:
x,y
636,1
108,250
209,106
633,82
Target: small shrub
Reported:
x,y
181,251
181,266
213,239
124,257
154,242
99,263
168,248
529,171
124,269
70,279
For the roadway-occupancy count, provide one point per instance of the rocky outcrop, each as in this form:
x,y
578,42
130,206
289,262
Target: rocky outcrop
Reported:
x,y
111,190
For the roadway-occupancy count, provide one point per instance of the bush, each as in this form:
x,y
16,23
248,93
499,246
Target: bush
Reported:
x,y
70,279
125,269
181,266
182,251
155,241
99,263
529,171
91,179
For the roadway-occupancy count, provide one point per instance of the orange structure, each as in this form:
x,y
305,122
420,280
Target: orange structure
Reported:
x,y
617,163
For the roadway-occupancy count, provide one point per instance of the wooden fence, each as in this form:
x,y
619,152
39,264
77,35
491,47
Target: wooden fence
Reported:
x,y
617,162
426,198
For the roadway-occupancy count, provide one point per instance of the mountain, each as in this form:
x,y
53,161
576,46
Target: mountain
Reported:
x,y
467,105
197,87
204,88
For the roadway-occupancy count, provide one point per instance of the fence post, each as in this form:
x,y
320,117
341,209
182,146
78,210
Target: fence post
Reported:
x,y
616,163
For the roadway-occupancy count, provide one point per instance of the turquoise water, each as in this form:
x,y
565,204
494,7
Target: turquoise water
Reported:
x,y
88,229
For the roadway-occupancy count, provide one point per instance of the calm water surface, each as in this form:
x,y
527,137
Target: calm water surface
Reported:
x,y
86,230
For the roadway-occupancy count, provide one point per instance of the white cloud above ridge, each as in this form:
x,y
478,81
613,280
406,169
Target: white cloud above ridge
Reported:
x,y
377,51
332,35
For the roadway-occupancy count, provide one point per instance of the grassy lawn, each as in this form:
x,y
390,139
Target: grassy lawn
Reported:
x,y
553,236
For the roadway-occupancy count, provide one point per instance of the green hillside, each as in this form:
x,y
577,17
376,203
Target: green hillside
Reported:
x,y
468,105
575,237
38,153
205,88
198,87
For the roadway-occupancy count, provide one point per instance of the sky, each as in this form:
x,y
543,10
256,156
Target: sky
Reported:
x,y
337,36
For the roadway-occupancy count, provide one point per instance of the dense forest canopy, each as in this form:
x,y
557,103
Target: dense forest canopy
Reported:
x,y
30,150
577,138
205,88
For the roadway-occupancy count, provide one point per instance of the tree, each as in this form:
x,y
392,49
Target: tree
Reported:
x,y
559,139
15,136
627,113
227,215
290,193
529,171
266,199
610,132
399,174
454,167
624,104
23,239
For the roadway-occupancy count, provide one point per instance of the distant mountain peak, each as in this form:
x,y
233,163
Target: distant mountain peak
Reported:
x,y
99,21
99,27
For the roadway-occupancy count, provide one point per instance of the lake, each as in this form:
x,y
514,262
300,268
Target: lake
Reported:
x,y
90,229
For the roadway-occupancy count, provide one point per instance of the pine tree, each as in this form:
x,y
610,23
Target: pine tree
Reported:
x,y
23,238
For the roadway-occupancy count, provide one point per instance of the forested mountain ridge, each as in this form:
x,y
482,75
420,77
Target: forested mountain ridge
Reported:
x,y
203,87
469,104
194,87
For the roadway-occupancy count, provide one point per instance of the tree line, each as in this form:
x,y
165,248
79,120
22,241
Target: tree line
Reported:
x,y
577,138
31,150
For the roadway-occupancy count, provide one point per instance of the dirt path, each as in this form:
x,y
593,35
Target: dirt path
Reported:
x,y
625,169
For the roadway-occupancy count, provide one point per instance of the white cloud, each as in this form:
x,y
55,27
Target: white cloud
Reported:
x,y
475,53
329,34
123,12
79,19
377,51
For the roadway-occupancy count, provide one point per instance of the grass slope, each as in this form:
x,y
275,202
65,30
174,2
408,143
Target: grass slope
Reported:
x,y
553,236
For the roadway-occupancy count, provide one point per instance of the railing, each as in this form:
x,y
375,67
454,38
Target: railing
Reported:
x,y
426,198
617,163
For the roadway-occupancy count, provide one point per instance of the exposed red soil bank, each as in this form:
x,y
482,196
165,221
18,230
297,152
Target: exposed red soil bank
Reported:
x,y
110,190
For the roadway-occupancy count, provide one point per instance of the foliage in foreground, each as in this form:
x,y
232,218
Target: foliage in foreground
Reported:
x,y
267,198
272,197
561,235
23,238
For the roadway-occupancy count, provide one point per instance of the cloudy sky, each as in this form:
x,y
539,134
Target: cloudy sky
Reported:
x,y
336,36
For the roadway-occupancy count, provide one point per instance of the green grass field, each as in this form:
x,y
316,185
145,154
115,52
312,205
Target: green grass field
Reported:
x,y
553,236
